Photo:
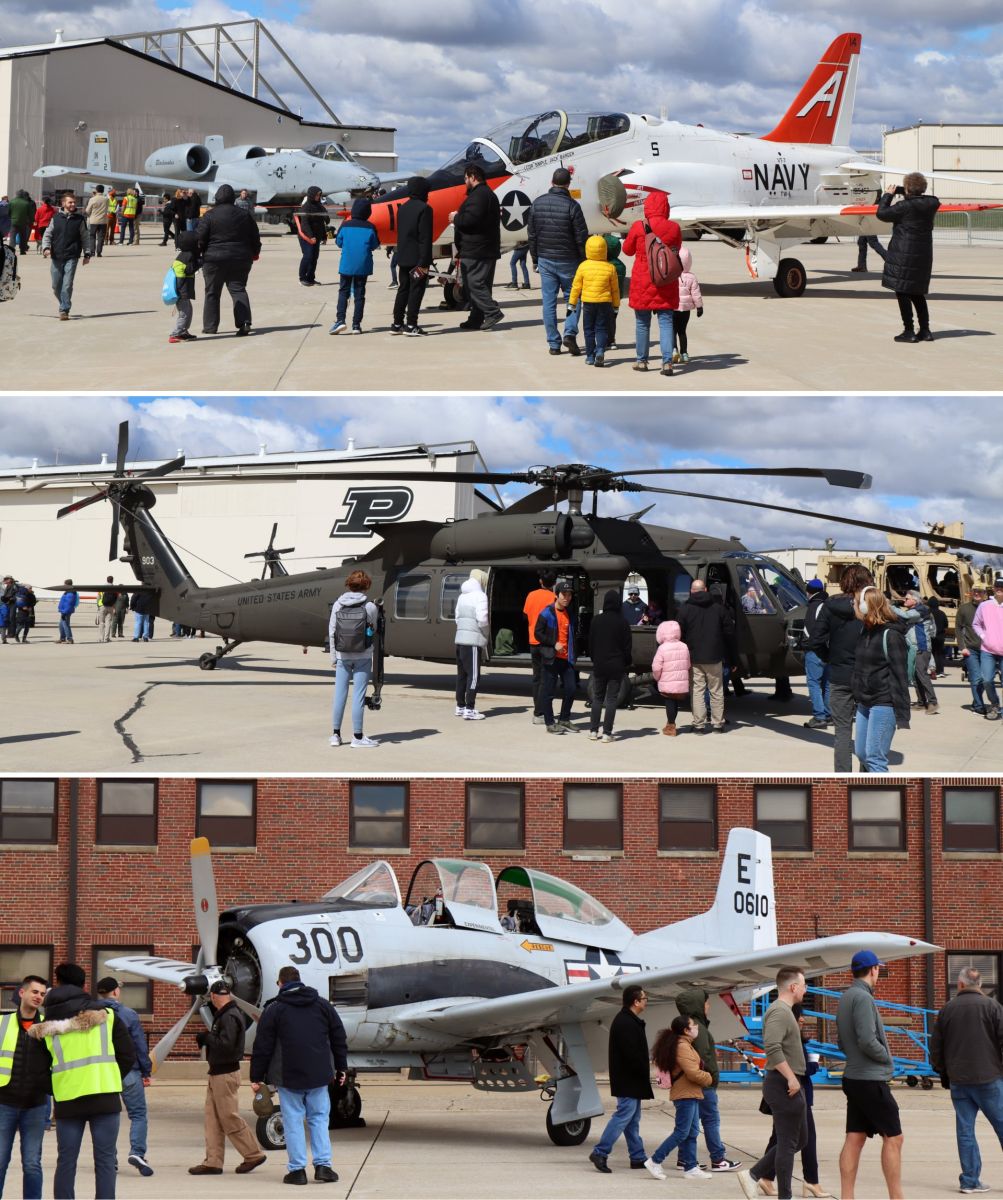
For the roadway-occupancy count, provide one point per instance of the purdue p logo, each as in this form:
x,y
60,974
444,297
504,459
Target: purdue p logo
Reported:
x,y
367,506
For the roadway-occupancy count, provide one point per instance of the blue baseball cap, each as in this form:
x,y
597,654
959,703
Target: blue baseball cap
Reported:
x,y
815,585
863,960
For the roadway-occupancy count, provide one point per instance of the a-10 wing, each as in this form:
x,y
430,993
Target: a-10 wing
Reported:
x,y
595,1001
153,183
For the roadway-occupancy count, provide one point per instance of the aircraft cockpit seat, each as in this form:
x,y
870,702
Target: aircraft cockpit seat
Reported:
x,y
525,920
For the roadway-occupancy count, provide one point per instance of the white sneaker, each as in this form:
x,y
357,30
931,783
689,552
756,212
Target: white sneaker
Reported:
x,y
472,714
594,737
460,711
362,743
335,739
696,1173
654,1168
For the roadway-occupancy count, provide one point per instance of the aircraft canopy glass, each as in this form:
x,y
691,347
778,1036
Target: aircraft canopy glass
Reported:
x,y
375,886
526,139
553,897
331,151
486,157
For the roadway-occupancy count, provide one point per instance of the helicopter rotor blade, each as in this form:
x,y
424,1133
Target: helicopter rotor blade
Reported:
x,y
77,505
271,540
537,501
164,468
113,548
834,476
922,535
123,448
159,1052
204,896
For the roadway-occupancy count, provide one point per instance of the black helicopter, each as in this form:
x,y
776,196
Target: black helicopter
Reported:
x,y
418,567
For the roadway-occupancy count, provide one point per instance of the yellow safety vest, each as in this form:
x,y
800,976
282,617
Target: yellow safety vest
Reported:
x,y
113,203
84,1063
9,1025
129,206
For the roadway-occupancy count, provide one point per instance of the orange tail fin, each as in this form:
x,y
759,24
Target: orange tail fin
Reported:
x,y
823,110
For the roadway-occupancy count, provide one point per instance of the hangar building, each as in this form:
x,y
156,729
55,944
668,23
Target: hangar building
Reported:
x,y
975,151
52,97
215,511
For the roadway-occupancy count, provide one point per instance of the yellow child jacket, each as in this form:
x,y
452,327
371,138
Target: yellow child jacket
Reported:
x,y
595,280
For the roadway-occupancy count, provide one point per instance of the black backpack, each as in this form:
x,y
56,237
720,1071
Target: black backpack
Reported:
x,y
9,282
353,634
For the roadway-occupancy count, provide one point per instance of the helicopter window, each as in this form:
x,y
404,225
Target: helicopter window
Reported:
x,y
451,173
787,590
411,597
900,578
752,596
451,585
378,814
495,813
681,588
375,886
585,128
944,581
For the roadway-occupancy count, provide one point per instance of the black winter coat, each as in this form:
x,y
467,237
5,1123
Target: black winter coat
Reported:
x,y
228,234
629,1058
966,1046
880,674
557,228
835,635
609,639
910,252
30,1072
478,224
414,234
223,1042
706,628
301,1042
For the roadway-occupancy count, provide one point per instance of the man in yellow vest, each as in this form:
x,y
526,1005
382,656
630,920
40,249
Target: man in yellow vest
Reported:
x,y
130,206
24,1087
91,1050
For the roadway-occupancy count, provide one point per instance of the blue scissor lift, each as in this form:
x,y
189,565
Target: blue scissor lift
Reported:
x,y
908,1031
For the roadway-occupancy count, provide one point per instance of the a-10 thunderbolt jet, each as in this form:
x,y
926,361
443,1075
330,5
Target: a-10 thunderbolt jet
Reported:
x,y
468,973
765,194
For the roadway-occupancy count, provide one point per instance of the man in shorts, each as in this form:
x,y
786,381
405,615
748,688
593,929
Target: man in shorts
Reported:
x,y
870,1106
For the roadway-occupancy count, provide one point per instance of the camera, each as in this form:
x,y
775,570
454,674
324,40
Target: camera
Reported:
x,y
900,190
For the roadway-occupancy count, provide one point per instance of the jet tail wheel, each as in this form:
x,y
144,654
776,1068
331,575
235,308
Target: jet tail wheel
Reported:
x,y
790,279
612,195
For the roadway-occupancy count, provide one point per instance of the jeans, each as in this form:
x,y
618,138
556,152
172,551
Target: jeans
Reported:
x,y
684,1135
134,1099
142,626
536,657
990,664
29,1123
875,730
875,245
69,1136
973,671
314,1107
97,237
817,674
642,333
354,285
130,223
710,1119
843,709
605,693
597,323
969,1099
359,672
62,271
519,256
625,1120
310,253
557,276
559,672
65,632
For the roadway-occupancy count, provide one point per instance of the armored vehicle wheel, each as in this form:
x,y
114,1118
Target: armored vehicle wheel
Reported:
x,y
573,1133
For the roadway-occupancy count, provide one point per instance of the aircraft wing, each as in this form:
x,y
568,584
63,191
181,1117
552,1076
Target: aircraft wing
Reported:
x,y
160,970
876,168
764,217
154,182
577,1002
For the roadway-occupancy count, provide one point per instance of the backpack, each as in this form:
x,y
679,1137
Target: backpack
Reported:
x,y
353,635
9,282
169,292
664,266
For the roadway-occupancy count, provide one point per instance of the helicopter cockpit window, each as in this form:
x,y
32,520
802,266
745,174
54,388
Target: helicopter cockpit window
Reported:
x,y
449,595
785,588
374,886
901,578
681,588
944,581
451,173
751,593
528,138
411,597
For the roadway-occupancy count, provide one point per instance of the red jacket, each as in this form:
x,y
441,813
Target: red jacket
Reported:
x,y
643,293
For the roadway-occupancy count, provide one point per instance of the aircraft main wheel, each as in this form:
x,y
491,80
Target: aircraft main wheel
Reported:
x,y
572,1133
270,1131
790,279
346,1107
207,662
819,241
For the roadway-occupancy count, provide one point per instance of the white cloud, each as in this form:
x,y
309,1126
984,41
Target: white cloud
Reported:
x,y
930,56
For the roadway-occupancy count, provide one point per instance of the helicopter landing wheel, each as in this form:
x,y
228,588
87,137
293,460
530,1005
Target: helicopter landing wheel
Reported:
x,y
790,279
207,662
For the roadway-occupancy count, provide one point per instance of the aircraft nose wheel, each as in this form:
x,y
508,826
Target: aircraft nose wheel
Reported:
x,y
270,1131
572,1133
207,662
790,279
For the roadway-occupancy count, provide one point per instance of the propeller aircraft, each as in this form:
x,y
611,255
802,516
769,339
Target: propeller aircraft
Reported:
x,y
418,567
441,983
799,182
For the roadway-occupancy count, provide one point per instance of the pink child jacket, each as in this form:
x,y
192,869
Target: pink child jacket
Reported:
x,y
690,296
671,664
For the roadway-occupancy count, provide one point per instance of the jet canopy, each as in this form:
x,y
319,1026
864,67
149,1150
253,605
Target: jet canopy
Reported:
x,y
528,138
329,151
374,886
564,912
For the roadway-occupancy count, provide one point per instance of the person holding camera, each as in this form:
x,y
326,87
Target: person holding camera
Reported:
x,y
909,260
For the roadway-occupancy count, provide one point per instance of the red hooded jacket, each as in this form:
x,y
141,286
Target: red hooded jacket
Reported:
x,y
643,293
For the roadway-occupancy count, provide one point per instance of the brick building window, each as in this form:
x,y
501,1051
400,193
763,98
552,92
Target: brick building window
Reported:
x,y
15,963
127,812
784,815
226,813
495,816
985,962
27,810
137,994
593,816
687,817
877,819
971,819
378,815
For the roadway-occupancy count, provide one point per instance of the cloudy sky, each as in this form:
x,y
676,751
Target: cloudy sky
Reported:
x,y
441,71
933,458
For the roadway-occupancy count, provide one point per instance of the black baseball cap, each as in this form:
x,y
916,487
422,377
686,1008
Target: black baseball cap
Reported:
x,y
220,988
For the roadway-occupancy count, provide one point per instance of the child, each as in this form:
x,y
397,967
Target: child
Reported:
x,y
613,244
596,283
357,239
680,1070
690,298
671,670
184,266
519,257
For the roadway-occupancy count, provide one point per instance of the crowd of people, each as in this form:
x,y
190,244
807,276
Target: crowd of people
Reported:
x,y
966,1051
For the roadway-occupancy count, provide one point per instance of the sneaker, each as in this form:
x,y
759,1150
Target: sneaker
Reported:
x,y
141,1165
338,327
606,737
175,340
64,316
726,1164
567,726
325,1174
356,329
599,1162
640,366
933,710
554,350
924,335
491,322
816,723
395,329
675,356
415,331
654,1168
539,720
473,715
555,728
857,270
748,1185
696,1173
975,1187
362,743
459,711
244,330
593,735
590,362
906,335
188,337
600,360
666,368
992,713
685,359
297,1177
570,343
335,739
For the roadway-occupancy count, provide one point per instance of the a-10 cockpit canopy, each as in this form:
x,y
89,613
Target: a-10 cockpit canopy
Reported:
x,y
330,152
465,895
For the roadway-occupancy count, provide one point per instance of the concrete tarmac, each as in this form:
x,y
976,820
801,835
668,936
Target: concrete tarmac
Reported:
x,y
445,1140
123,706
837,337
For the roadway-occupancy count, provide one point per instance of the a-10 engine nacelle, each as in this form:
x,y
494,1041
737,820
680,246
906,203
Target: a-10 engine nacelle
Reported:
x,y
191,161
239,153
545,536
